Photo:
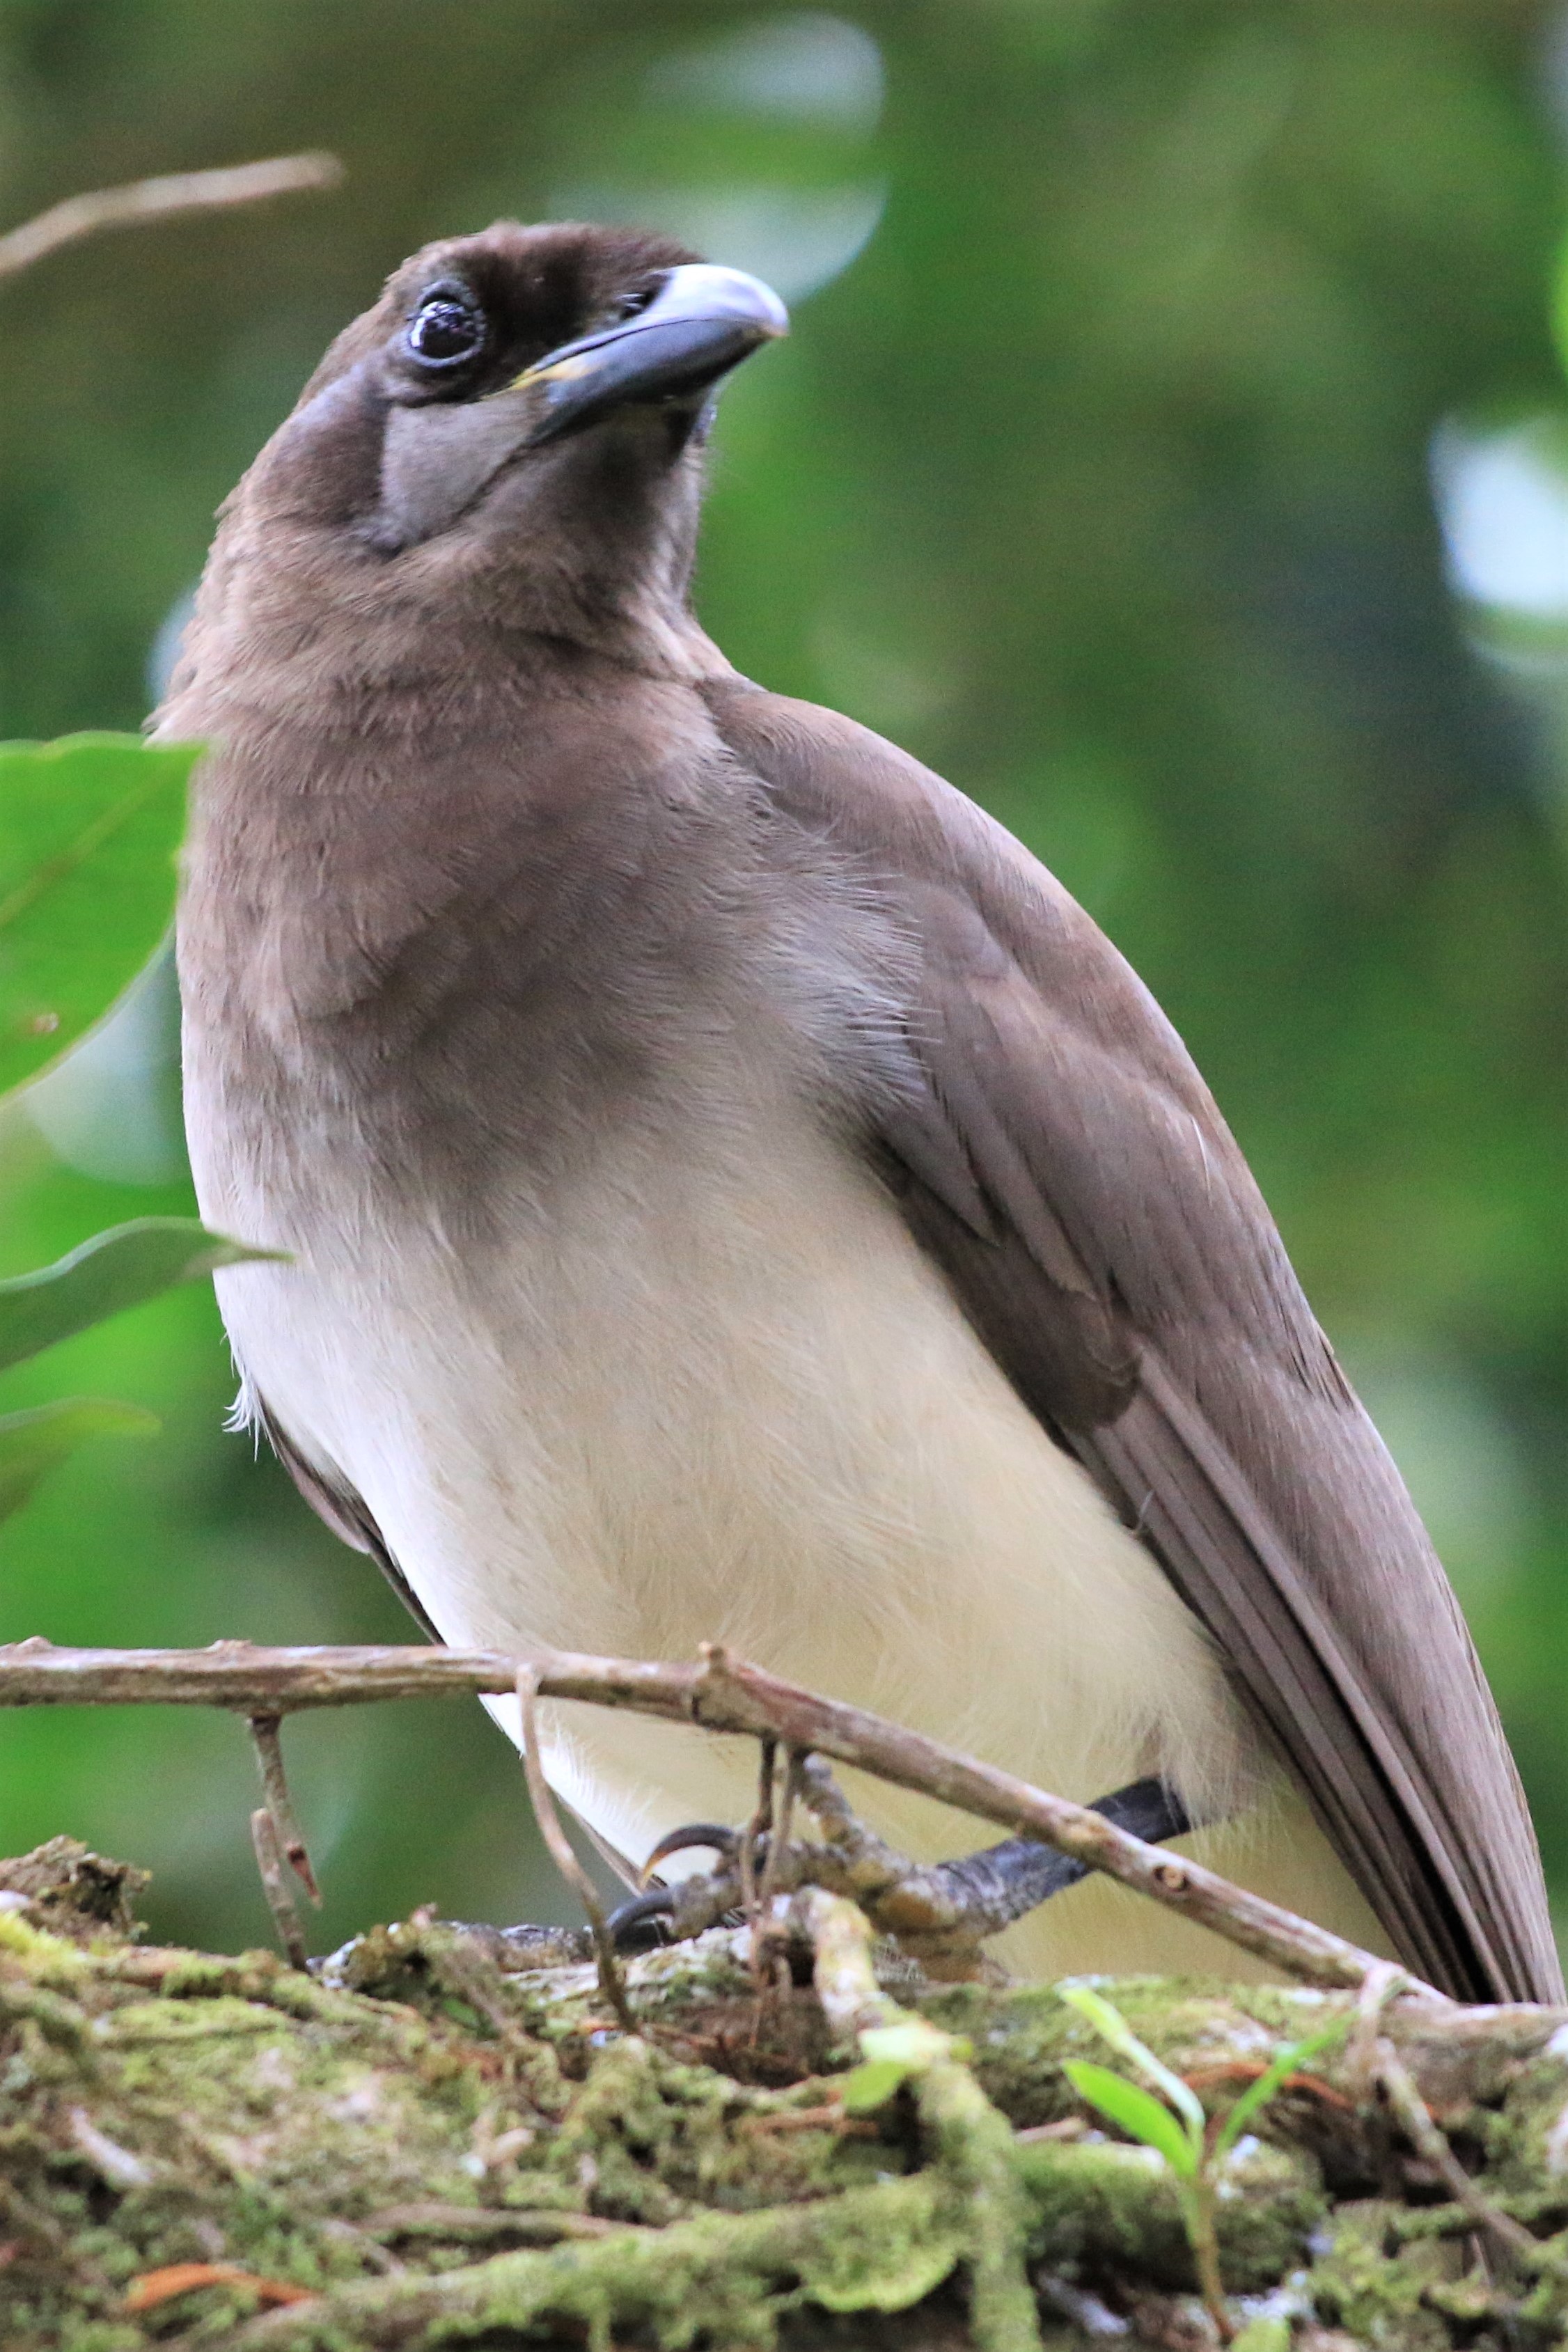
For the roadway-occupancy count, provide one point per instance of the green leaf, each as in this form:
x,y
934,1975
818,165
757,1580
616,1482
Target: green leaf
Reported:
x,y
1284,2064
33,1443
891,2053
112,1271
1110,2022
911,2043
1263,2336
88,829
1136,2111
873,2085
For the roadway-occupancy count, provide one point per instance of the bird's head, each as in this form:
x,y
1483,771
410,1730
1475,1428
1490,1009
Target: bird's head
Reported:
x,y
513,429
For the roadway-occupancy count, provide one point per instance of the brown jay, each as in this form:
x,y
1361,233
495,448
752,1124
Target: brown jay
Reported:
x,y
730,1191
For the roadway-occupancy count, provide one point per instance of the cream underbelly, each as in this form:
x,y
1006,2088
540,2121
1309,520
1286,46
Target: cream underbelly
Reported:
x,y
732,1401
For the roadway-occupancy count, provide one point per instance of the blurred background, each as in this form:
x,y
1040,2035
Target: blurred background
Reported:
x,y
1171,449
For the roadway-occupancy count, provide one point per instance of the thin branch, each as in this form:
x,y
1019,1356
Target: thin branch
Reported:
x,y
967,2139
611,1982
275,1885
146,200
721,1692
760,1824
257,1681
264,1731
844,1969
779,1841
459,2222
1414,2119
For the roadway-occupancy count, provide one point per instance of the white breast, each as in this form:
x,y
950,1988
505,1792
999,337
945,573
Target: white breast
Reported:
x,y
724,1396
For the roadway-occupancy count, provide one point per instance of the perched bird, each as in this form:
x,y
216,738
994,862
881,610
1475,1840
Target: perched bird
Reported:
x,y
733,1191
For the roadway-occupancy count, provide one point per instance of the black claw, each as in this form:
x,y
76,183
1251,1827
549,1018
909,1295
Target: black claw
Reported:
x,y
987,1891
641,1923
725,1842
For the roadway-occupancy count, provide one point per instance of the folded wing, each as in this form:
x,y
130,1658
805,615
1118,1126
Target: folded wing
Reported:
x,y
1057,1153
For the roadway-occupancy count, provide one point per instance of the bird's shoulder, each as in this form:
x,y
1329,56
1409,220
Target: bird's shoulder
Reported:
x,y
1040,1054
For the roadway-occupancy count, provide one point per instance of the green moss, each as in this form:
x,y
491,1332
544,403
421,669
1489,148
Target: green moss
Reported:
x,y
1021,2036
727,2278
1373,2286
423,2105
658,2138
46,1958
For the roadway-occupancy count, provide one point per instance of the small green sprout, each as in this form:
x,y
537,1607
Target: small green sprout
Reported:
x,y
891,2055
1175,2127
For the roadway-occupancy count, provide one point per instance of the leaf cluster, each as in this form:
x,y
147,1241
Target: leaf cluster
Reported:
x,y
89,827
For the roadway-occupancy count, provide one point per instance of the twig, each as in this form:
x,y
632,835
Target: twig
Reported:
x,y
770,1962
829,2117
144,200
1370,2058
970,2143
721,1694
1414,2120
779,1841
1377,1989
275,1885
1252,2070
759,1826
611,1982
265,1730
152,2288
844,1968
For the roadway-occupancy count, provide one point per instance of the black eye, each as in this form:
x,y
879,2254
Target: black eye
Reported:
x,y
447,328
630,306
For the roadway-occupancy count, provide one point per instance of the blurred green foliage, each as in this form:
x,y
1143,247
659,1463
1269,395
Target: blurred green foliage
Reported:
x,y
1169,450
88,829
103,1277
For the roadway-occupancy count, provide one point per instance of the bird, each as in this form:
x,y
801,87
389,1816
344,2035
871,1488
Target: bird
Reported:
x,y
725,1188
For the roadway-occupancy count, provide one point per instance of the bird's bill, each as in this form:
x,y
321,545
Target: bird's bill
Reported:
x,y
702,322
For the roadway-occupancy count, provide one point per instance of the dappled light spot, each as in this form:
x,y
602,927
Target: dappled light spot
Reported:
x,y
807,66
797,239
1502,500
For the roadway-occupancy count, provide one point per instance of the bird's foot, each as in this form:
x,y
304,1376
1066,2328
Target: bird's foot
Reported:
x,y
940,1913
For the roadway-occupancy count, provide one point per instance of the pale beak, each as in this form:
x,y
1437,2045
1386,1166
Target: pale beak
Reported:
x,y
702,322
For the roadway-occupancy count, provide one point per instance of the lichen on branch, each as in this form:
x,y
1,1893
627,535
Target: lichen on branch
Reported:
x,y
412,2146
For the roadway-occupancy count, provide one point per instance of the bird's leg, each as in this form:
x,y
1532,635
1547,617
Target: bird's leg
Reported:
x,y
940,1912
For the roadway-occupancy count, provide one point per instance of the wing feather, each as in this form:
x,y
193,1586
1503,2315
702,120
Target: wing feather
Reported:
x,y
1058,1156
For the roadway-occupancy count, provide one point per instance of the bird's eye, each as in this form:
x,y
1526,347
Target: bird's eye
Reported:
x,y
631,305
447,328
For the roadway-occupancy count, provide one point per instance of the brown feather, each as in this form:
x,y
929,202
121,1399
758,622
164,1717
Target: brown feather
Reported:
x,y
336,1504
1120,1264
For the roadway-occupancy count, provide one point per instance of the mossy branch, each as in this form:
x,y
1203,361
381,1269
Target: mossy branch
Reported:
x,y
411,2147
